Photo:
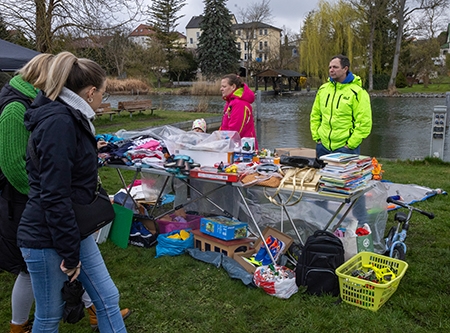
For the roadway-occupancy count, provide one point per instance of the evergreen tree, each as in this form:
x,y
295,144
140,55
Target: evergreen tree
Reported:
x,y
217,50
163,18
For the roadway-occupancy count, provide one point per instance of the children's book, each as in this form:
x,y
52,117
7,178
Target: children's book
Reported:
x,y
339,157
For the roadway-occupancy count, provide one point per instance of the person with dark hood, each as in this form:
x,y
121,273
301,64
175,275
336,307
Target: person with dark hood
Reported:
x,y
237,112
63,140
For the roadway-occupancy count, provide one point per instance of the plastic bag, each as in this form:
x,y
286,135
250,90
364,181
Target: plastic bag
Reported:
x,y
172,247
278,281
353,243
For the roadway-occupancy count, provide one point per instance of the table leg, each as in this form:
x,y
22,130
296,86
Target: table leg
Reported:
x,y
256,224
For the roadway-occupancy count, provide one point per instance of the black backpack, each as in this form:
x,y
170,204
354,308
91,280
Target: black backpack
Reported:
x,y
8,95
322,253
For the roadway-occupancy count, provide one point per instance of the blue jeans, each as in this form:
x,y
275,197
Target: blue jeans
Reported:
x,y
321,150
47,280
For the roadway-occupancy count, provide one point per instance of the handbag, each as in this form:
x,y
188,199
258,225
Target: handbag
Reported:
x,y
90,217
96,215
295,179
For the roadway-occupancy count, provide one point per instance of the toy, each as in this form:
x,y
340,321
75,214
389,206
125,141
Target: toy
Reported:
x,y
181,166
377,172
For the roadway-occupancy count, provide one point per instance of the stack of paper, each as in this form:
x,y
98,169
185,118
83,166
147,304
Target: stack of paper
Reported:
x,y
344,174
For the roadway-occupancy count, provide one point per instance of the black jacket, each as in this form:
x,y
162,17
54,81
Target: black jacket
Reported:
x,y
67,154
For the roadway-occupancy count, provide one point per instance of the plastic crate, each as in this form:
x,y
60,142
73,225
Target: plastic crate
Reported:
x,y
192,222
367,294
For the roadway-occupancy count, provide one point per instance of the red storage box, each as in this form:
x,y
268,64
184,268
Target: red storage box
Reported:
x,y
192,222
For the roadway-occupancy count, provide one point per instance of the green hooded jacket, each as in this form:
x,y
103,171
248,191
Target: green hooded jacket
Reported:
x,y
14,137
341,114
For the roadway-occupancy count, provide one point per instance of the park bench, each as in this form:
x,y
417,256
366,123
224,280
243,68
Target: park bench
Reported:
x,y
137,105
105,108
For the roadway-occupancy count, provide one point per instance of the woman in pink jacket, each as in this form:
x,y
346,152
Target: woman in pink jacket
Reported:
x,y
237,113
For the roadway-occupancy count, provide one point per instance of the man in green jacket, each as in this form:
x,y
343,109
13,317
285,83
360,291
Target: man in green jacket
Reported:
x,y
341,116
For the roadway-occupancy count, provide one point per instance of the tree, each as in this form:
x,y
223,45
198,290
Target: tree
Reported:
x,y
331,30
374,13
253,17
44,20
217,51
403,13
183,66
4,34
155,58
163,18
118,52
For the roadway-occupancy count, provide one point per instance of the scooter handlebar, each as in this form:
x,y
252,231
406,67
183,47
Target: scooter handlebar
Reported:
x,y
405,205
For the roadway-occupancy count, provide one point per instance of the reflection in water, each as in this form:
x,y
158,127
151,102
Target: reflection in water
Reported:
x,y
401,126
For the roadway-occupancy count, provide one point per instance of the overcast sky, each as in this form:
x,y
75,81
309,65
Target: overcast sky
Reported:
x,y
289,13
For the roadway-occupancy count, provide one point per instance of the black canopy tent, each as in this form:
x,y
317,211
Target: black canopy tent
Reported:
x,y
277,77
13,56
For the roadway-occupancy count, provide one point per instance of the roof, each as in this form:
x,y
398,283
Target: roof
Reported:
x,y
142,30
195,22
279,73
255,25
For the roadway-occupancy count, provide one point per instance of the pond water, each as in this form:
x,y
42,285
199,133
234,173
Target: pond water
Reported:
x,y
401,126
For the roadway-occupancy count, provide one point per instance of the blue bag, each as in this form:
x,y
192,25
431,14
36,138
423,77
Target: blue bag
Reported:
x,y
173,247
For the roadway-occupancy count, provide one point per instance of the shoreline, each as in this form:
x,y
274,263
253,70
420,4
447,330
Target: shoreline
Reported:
x,y
295,93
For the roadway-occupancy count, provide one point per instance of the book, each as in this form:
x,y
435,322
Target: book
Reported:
x,y
339,157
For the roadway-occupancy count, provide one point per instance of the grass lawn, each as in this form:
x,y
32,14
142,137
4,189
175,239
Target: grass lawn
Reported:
x,y
438,85
181,294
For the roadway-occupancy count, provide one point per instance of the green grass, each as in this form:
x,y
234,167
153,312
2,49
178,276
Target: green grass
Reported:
x,y
181,294
438,85
144,120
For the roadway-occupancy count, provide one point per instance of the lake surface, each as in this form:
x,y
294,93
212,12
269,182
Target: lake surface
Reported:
x,y
401,126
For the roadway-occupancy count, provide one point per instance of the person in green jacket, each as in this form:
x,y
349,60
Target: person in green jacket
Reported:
x,y
15,97
341,115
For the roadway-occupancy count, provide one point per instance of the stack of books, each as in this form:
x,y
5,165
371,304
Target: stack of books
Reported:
x,y
344,174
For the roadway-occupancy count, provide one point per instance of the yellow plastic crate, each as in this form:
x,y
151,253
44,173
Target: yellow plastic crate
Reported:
x,y
367,294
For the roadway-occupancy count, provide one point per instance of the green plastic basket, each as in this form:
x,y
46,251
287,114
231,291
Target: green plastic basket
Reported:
x,y
367,294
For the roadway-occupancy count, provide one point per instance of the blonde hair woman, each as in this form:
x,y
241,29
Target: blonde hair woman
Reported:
x,y
65,147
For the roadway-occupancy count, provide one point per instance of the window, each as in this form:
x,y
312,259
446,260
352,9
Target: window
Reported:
x,y
265,44
239,32
260,32
265,57
246,46
265,32
238,45
197,34
245,57
260,45
191,40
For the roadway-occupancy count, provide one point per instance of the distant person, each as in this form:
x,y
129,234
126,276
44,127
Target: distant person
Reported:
x,y
62,135
237,112
199,125
341,115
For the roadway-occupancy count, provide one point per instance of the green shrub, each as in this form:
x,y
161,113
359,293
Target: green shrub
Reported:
x,y
380,81
400,81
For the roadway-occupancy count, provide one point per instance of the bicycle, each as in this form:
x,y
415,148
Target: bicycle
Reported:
x,y
395,239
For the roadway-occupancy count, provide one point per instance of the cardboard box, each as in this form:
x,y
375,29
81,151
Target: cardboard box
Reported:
x,y
213,174
223,227
307,152
207,158
242,157
268,231
192,222
229,248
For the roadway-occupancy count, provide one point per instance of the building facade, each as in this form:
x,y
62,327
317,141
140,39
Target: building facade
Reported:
x,y
255,41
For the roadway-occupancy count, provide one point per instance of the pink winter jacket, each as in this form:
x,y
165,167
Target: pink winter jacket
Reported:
x,y
238,113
